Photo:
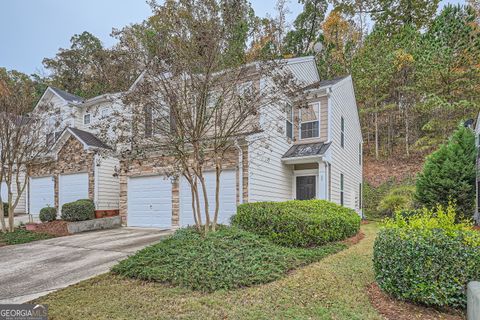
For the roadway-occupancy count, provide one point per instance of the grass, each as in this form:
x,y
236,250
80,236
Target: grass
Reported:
x,y
19,236
227,259
333,288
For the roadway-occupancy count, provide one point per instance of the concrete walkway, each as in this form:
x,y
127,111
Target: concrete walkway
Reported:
x,y
30,270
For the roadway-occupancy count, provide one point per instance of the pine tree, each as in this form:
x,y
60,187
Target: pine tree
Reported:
x,y
449,174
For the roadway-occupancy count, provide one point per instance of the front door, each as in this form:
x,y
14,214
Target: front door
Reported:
x,y
306,187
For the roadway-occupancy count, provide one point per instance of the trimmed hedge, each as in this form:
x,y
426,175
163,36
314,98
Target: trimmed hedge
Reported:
x,y
48,214
225,259
79,210
298,223
427,258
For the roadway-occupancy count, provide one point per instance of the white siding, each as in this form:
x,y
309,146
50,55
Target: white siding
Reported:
x,y
107,186
22,203
304,69
269,179
345,160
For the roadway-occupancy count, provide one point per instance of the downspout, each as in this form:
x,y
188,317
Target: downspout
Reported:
x,y
240,171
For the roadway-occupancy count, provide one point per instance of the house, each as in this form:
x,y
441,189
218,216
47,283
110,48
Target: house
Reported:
x,y
477,182
313,152
79,165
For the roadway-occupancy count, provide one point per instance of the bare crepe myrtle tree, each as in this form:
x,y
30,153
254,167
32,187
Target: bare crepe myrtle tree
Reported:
x,y
199,97
23,137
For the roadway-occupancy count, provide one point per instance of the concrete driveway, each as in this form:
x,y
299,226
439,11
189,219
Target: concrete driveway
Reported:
x,y
30,270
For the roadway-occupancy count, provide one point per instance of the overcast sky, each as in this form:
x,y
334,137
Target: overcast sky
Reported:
x,y
33,29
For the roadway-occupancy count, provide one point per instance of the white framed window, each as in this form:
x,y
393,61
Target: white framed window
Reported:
x,y
310,121
245,88
86,118
289,121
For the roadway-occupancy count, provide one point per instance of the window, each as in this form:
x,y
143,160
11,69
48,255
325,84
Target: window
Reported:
x,y
310,121
360,153
86,118
342,132
148,122
50,139
341,189
289,121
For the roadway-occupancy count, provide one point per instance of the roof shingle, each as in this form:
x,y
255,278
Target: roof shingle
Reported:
x,y
307,149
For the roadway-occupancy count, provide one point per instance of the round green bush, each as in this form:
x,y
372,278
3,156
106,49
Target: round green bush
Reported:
x,y
79,210
427,259
48,214
298,223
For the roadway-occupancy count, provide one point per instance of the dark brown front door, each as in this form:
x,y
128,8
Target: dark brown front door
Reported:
x,y
306,187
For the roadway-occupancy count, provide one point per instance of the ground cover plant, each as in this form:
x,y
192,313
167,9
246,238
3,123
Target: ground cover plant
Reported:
x,y
19,236
226,259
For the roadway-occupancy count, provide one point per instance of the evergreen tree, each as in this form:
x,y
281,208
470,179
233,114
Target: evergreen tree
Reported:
x,y
449,174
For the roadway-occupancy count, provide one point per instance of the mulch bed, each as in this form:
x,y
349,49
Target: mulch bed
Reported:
x,y
476,228
355,239
56,228
393,309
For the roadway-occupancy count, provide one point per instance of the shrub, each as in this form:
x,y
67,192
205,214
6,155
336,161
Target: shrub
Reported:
x,y
79,210
48,214
398,198
427,258
226,259
298,223
449,174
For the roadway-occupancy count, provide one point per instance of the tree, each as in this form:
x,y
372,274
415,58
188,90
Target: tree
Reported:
x,y
449,174
88,69
341,40
22,136
393,14
307,29
199,98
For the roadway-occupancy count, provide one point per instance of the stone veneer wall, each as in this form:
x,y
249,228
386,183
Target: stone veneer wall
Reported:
x,y
163,165
72,158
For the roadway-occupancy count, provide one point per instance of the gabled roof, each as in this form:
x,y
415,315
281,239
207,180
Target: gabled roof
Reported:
x,y
331,82
307,150
67,96
89,140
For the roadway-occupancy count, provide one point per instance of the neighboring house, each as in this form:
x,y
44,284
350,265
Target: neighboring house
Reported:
x,y
79,165
313,152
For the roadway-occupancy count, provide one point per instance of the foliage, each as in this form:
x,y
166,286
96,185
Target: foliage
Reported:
x,y
372,195
398,198
48,214
449,174
298,223
79,210
427,258
227,259
19,236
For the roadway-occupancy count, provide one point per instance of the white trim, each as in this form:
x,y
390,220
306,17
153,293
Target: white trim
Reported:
x,y
329,115
304,173
95,179
299,160
89,118
300,122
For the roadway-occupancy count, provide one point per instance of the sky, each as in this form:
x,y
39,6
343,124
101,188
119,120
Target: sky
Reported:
x,y
31,30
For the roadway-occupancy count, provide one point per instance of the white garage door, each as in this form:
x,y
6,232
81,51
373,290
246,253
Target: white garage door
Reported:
x,y
228,198
41,194
72,187
150,202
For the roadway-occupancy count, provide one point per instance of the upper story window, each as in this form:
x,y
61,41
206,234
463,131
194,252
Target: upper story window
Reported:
x,y
50,139
289,121
86,118
342,132
310,121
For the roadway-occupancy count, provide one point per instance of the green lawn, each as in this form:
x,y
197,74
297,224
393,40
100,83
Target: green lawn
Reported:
x,y
333,288
20,236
